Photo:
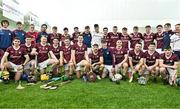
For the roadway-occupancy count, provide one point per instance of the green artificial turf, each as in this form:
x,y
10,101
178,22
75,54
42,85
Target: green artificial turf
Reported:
x,y
102,94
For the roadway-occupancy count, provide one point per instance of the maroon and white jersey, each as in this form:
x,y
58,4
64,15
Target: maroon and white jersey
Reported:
x,y
66,52
28,50
125,41
75,37
42,52
56,51
113,38
16,56
151,58
119,54
148,38
79,52
171,60
95,57
52,36
159,39
136,57
135,38
1,54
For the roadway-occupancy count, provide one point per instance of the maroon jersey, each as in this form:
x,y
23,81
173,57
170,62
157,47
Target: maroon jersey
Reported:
x,y
125,41
75,37
52,36
135,38
56,51
107,38
42,52
16,56
113,38
33,36
169,61
151,58
148,38
28,50
119,55
159,39
95,57
79,52
1,54
63,37
66,52
136,57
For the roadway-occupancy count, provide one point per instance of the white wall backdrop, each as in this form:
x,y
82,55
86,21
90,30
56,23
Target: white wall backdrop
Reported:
x,y
108,13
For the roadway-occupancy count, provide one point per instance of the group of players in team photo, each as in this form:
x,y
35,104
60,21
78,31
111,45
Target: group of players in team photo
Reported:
x,y
114,55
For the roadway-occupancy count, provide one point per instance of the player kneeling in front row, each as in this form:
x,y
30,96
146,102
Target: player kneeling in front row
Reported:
x,y
96,62
136,61
168,66
80,58
15,55
66,57
42,50
30,67
151,61
56,51
120,58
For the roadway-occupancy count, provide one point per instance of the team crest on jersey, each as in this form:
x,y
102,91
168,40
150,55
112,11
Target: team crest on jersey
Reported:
x,y
153,57
23,34
19,52
9,33
46,48
107,52
171,60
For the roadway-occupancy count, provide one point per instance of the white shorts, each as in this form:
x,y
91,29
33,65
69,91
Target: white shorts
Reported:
x,y
130,70
78,66
14,66
171,72
43,64
89,50
116,67
159,51
66,67
109,69
146,72
28,65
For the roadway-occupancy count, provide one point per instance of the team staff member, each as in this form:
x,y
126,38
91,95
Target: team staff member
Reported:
x,y
6,36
